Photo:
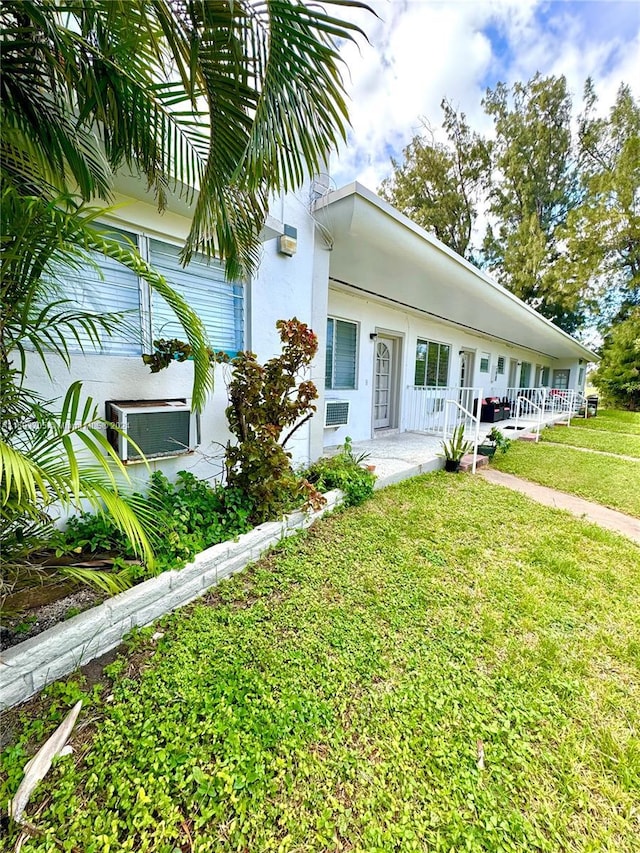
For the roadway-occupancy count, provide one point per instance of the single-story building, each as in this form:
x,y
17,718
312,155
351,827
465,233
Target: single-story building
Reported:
x,y
403,323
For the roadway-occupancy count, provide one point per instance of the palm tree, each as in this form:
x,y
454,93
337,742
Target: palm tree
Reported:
x,y
223,102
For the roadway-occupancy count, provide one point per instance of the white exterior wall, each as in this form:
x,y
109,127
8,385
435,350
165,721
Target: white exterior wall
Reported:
x,y
283,288
287,287
372,316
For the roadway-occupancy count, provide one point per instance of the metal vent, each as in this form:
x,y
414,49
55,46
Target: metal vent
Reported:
x,y
151,428
336,413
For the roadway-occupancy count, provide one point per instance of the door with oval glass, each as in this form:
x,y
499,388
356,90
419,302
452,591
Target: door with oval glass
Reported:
x,y
383,384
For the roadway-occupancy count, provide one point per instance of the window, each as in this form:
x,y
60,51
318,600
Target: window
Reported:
x,y
561,379
218,303
525,374
432,364
500,368
110,286
485,360
581,377
544,377
102,287
341,354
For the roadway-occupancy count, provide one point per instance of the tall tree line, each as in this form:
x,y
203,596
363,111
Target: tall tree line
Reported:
x,y
560,193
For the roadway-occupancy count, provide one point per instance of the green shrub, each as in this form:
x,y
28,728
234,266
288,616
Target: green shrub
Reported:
x,y
343,471
188,516
267,404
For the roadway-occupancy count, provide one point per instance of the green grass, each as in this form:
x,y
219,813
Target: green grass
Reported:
x,y
611,420
604,479
334,697
609,441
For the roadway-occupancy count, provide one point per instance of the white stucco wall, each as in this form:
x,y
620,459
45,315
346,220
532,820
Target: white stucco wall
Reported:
x,y
373,316
284,287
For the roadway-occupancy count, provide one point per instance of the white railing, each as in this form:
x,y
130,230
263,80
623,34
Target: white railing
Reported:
x,y
580,404
425,408
532,408
464,415
555,402
536,395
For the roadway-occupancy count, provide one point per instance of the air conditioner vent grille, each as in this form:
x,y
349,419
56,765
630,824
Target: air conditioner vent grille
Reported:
x,y
336,413
160,433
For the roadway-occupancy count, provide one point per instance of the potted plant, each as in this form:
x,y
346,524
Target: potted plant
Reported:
x,y
495,440
455,449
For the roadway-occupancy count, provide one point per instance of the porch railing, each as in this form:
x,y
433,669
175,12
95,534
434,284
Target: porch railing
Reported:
x,y
425,406
426,409
552,401
524,404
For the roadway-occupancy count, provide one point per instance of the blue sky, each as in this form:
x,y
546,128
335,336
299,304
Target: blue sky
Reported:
x,y
421,51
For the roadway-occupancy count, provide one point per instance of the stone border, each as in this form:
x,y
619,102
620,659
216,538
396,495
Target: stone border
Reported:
x,y
28,667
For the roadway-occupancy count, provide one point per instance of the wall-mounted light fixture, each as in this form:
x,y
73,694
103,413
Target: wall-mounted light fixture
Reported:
x,y
461,352
288,242
373,336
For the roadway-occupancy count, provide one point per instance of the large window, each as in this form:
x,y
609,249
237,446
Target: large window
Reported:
x,y
561,379
108,286
341,354
217,302
432,364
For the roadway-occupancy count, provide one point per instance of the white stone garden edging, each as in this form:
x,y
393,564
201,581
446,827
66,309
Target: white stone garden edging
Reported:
x,y
28,667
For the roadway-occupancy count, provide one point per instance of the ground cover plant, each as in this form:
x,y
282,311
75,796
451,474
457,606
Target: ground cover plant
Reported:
x,y
345,471
604,479
406,677
611,420
591,439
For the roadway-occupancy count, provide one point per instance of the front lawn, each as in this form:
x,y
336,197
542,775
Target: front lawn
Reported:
x,y
604,479
611,420
611,442
448,667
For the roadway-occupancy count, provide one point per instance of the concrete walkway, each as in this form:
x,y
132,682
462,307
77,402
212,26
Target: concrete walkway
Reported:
x,y
605,517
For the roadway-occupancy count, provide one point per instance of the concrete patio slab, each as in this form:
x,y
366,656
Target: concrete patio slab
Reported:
x,y
398,457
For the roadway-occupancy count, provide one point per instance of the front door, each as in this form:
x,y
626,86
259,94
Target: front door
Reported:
x,y
382,392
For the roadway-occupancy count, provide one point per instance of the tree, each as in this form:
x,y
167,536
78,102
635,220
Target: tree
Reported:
x,y
236,99
603,231
439,185
534,188
618,376
222,103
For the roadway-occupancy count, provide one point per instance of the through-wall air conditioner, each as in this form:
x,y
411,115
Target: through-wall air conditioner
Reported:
x,y
155,427
336,413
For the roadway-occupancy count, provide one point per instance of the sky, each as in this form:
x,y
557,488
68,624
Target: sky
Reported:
x,y
421,51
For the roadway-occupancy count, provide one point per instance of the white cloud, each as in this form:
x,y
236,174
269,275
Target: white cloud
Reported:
x,y
422,51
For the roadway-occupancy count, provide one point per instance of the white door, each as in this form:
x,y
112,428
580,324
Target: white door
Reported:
x,y
382,399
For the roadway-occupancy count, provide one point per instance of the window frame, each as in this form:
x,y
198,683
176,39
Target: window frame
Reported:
x,y
503,359
332,386
484,356
143,240
439,344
